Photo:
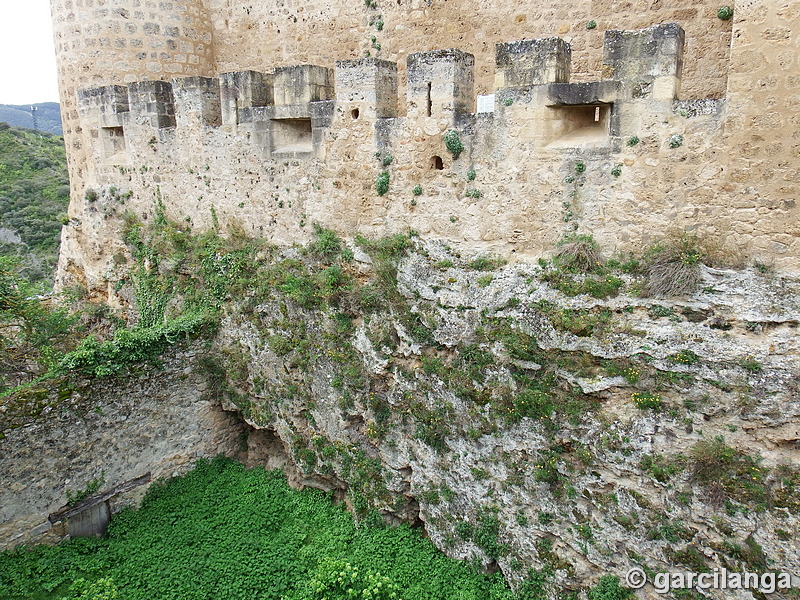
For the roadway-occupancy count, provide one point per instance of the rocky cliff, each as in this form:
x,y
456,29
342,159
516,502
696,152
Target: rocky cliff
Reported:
x,y
549,416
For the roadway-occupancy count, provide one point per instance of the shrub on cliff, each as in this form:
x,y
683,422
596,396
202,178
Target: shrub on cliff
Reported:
x,y
578,254
33,332
673,267
34,193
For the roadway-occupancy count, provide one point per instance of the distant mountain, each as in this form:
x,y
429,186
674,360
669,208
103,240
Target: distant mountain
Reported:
x,y
48,116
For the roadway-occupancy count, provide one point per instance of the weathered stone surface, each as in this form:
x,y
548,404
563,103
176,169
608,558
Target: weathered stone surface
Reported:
x,y
581,482
604,513
112,431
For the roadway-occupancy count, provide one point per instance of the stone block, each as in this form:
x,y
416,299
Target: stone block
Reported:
x,y
532,62
152,104
368,86
197,101
300,84
243,89
103,106
572,94
648,62
441,83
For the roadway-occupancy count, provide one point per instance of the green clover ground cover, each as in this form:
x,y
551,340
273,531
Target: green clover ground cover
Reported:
x,y
225,532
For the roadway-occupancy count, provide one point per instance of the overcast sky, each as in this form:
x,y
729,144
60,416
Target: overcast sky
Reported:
x,y
27,58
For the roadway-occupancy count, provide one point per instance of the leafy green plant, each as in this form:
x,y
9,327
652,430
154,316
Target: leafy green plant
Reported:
x,y
417,190
725,13
340,580
609,588
616,171
259,539
580,167
325,243
727,473
471,175
452,142
479,473
102,589
632,141
620,369
656,311
33,334
675,140
486,263
486,534
129,346
685,357
578,321
750,364
382,183
473,193
591,24
75,496
662,468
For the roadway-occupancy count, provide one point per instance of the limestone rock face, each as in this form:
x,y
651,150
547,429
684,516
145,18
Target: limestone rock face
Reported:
x,y
596,488
523,428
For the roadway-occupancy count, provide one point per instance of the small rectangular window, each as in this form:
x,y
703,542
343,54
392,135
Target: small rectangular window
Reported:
x,y
291,136
579,126
113,147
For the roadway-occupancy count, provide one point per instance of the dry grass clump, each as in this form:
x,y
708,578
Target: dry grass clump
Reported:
x,y
673,267
727,473
578,254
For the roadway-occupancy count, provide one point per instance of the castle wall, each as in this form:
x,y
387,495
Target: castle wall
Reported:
x,y
762,123
100,42
274,152
271,32
113,432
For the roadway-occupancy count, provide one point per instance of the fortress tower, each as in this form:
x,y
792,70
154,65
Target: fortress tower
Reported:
x,y
100,42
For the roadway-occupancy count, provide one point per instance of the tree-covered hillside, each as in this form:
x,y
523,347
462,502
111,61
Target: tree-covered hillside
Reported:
x,y
48,116
34,193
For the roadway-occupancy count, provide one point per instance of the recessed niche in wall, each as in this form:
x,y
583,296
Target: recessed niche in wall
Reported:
x,y
291,135
436,163
583,126
354,113
113,147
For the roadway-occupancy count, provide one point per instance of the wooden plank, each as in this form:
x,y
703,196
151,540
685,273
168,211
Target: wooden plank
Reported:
x,y
91,522
67,511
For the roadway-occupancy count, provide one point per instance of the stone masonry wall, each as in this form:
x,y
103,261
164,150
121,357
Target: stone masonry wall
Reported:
x,y
272,33
115,430
762,118
617,158
103,42
732,178
109,41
